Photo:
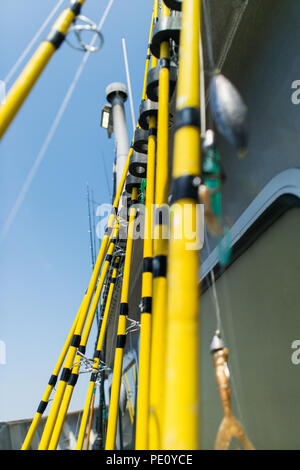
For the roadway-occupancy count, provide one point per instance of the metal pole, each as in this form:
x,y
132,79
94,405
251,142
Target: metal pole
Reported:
x,y
116,94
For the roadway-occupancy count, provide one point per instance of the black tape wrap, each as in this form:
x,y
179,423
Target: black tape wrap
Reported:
x,y
42,406
52,380
56,38
121,341
153,131
73,380
81,349
185,187
146,306
147,265
94,376
124,309
76,8
187,117
76,341
65,375
160,266
97,354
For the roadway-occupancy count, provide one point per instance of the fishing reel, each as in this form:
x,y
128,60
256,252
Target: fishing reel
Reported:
x,y
85,25
229,427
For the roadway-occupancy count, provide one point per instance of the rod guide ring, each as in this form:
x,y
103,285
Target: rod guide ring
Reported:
x,y
86,25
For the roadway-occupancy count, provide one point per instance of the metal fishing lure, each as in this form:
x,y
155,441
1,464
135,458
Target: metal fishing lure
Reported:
x,y
230,427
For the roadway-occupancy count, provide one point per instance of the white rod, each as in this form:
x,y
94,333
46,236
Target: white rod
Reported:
x,y
128,84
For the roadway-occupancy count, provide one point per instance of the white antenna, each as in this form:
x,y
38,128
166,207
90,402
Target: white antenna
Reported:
x,y
128,83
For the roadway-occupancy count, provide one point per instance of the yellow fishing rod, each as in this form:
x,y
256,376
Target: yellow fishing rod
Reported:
x,y
146,337
142,413
67,370
90,420
121,333
148,56
32,71
84,309
82,346
160,250
53,378
103,304
181,418
141,442
51,384
97,355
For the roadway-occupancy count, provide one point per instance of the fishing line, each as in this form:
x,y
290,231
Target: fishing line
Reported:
x,y
211,60
26,186
214,294
219,326
202,89
229,309
32,42
214,290
210,53
235,24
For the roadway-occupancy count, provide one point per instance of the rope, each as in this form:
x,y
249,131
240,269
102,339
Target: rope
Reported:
x,y
26,186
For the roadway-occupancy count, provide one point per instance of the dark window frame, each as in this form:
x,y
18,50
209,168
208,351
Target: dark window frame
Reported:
x,y
269,216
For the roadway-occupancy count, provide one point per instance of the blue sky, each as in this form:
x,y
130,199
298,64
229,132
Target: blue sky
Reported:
x,y
45,257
